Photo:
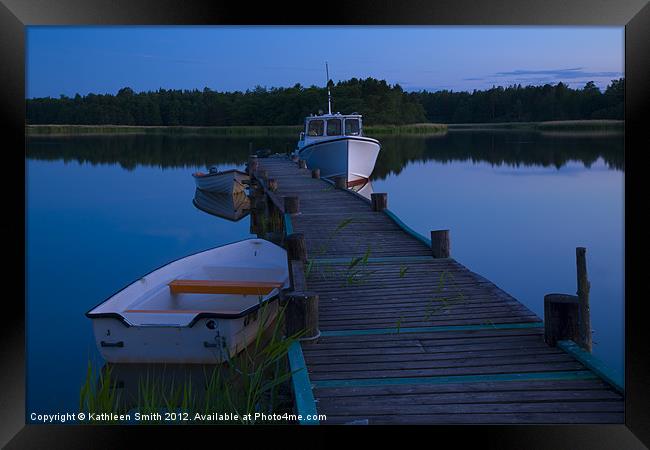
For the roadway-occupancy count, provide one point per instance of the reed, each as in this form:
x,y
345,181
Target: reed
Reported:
x,y
441,302
357,272
98,393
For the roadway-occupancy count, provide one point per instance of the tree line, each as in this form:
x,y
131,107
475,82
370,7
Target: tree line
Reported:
x,y
378,101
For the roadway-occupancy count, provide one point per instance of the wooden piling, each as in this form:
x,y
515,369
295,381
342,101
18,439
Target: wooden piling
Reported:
x,y
567,317
340,182
259,204
561,317
272,184
583,296
262,174
302,315
291,204
379,201
302,164
252,164
315,173
440,244
296,247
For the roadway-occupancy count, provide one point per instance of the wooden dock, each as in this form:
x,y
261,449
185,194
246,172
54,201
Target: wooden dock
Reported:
x,y
409,338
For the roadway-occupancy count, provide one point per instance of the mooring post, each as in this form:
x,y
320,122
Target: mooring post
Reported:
x,y
440,244
302,315
262,175
583,297
561,316
379,201
315,173
259,204
256,216
340,182
252,164
302,306
296,247
296,257
272,184
567,317
302,164
291,204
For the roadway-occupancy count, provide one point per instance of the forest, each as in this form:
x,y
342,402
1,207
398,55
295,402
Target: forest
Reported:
x,y
378,101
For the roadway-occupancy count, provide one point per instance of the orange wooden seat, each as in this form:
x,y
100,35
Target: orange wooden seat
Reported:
x,y
222,287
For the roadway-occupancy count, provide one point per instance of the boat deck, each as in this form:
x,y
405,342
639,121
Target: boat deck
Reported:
x,y
407,338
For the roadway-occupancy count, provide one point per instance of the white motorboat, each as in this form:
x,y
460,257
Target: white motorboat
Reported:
x,y
335,144
203,308
226,182
231,207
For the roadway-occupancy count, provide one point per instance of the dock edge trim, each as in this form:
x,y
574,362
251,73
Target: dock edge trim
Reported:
x,y
288,225
608,374
406,228
302,388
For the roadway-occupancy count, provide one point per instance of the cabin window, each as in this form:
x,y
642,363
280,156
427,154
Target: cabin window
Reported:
x,y
352,127
315,128
333,127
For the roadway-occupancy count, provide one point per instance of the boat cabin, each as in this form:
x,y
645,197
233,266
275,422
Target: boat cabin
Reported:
x,y
331,125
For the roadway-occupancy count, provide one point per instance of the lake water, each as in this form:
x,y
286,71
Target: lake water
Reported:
x,y
102,211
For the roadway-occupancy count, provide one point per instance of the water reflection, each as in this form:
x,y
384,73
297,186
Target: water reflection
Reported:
x,y
510,148
232,207
507,147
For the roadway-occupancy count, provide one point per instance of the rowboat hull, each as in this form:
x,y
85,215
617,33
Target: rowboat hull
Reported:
x,y
352,157
147,323
228,182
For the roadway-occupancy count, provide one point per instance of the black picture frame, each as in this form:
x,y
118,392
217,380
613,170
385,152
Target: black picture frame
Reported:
x,y
16,14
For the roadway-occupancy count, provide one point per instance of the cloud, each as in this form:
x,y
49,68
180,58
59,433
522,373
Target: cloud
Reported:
x,y
575,72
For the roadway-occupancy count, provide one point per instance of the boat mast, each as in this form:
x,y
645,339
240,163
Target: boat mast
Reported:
x,y
329,96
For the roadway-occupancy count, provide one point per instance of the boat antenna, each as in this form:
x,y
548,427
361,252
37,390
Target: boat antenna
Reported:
x,y
329,96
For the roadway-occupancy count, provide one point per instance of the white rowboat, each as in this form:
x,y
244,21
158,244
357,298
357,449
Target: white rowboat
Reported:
x,y
226,182
203,308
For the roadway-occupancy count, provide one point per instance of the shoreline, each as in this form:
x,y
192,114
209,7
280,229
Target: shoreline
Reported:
x,y
565,126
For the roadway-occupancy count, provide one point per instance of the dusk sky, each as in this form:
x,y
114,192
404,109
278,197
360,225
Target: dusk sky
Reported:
x,y
70,60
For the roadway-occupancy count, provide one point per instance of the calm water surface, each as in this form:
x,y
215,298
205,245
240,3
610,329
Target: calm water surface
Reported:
x,y
102,211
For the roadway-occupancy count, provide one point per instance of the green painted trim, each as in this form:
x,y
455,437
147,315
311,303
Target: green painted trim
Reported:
x,y
531,376
288,225
372,331
406,228
375,260
305,403
610,375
